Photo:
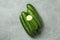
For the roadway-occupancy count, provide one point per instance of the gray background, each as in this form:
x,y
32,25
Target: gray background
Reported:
x,y
11,28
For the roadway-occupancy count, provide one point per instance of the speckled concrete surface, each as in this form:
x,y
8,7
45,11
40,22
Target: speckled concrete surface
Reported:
x,y
11,28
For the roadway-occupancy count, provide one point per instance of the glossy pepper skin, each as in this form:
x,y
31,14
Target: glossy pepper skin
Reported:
x,y
31,21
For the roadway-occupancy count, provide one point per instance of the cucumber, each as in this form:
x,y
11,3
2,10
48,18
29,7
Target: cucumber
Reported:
x,y
31,21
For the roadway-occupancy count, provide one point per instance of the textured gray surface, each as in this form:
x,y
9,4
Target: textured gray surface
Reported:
x,y
11,28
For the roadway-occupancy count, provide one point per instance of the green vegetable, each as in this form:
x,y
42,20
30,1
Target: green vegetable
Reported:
x,y
31,21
